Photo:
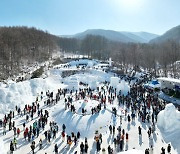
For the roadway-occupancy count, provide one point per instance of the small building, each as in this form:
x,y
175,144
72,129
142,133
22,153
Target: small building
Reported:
x,y
169,83
153,85
171,87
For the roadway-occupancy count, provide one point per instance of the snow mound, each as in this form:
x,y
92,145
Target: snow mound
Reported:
x,y
123,87
114,82
87,124
133,151
25,92
169,119
86,104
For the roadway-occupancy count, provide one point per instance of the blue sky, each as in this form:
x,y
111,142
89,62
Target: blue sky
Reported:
x,y
62,17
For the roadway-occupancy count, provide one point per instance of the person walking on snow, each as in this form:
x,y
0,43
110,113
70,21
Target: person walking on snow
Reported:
x,y
33,147
86,147
15,143
81,148
40,144
127,136
56,149
63,127
11,147
139,129
110,129
169,148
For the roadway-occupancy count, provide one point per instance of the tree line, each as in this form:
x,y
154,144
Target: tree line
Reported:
x,y
21,46
157,58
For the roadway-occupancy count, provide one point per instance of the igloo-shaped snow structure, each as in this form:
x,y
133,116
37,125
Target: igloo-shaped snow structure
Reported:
x,y
169,118
120,86
114,81
123,87
90,64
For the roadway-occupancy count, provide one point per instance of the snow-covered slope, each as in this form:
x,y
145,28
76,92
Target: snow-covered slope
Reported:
x,y
121,36
26,92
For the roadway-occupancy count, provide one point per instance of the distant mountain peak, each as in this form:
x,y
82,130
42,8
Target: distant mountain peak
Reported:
x,y
171,34
120,36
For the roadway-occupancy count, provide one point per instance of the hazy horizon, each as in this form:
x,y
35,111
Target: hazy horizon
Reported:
x,y
67,17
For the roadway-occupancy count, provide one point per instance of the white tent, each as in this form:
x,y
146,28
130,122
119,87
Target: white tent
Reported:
x,y
123,87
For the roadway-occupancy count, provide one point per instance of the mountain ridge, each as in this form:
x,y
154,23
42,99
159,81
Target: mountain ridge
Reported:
x,y
120,36
171,34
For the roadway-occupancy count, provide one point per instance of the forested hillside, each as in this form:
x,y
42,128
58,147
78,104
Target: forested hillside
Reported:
x,y
148,56
172,34
22,46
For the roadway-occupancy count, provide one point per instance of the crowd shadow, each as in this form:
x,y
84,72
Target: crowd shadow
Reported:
x,y
72,149
109,138
91,120
93,149
173,138
133,123
140,140
22,142
65,149
154,137
127,146
128,126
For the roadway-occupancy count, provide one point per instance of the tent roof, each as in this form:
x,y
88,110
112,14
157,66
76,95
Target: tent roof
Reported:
x,y
177,81
154,82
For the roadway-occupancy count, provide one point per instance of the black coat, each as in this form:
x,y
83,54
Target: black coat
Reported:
x,y
56,148
86,148
82,147
11,147
98,146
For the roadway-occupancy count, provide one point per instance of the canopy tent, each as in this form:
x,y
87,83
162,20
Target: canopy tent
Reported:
x,y
155,82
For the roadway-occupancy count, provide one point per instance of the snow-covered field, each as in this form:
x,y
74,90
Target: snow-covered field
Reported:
x,y
26,92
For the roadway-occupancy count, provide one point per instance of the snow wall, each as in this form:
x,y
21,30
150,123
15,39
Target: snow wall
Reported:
x,y
114,81
25,92
169,119
123,87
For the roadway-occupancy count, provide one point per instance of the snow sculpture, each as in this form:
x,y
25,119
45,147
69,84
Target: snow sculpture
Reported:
x,y
169,118
123,87
114,82
90,64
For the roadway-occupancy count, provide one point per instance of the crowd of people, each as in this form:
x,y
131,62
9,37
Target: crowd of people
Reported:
x,y
139,103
